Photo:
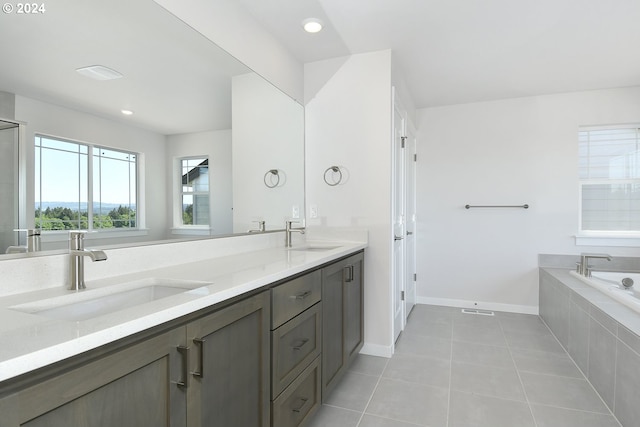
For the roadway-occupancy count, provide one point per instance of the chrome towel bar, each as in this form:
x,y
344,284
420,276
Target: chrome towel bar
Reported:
x,y
525,206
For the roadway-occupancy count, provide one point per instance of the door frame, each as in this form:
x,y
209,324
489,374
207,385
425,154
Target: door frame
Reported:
x,y
398,224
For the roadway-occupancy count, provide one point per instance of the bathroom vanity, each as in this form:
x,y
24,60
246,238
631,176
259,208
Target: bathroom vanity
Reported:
x,y
265,354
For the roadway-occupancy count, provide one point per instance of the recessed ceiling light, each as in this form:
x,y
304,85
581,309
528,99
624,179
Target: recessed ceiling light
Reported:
x,y
99,72
127,112
312,25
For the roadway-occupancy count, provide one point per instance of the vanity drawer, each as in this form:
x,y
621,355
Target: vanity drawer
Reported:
x,y
294,345
297,404
292,298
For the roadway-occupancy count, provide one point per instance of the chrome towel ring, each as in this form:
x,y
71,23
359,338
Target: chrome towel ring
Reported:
x,y
334,179
272,182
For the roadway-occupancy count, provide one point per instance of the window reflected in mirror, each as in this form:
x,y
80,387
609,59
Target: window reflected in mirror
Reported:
x,y
195,191
72,193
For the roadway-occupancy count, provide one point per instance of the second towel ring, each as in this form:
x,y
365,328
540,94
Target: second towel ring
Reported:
x,y
272,183
334,181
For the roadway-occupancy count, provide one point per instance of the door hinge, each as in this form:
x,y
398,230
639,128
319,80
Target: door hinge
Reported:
x,y
403,138
415,277
415,157
401,295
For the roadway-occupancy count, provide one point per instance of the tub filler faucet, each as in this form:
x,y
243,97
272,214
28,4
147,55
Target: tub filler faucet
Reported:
x,y
77,254
584,268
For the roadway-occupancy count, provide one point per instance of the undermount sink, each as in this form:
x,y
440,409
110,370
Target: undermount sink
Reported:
x,y
110,299
315,248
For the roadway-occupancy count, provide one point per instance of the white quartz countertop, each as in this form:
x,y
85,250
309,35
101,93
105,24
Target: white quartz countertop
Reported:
x,y
31,340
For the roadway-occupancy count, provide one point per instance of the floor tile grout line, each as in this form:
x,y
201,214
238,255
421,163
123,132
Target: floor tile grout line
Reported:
x,y
524,390
571,409
364,411
448,421
615,377
340,407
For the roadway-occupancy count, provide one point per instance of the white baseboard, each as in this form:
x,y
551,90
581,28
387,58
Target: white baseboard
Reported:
x,y
510,308
377,350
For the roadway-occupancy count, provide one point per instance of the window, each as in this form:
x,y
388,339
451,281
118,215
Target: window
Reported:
x,y
194,197
85,187
609,172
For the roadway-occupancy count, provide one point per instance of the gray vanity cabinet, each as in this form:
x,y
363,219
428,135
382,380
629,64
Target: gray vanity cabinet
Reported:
x,y
134,387
213,371
265,360
230,366
342,318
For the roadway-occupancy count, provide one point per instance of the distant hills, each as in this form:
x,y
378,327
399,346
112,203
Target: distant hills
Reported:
x,y
104,209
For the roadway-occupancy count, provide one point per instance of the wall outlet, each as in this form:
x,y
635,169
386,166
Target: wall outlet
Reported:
x,y
295,212
313,211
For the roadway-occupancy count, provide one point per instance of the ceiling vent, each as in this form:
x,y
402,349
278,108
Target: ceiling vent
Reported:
x,y
99,72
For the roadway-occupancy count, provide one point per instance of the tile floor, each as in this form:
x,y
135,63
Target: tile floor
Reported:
x,y
462,370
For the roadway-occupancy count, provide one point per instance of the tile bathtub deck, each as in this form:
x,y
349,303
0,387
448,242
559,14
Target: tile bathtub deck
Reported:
x,y
462,370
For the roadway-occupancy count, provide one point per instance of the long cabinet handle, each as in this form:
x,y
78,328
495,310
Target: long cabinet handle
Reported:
x,y
348,273
303,401
200,343
301,344
301,296
184,353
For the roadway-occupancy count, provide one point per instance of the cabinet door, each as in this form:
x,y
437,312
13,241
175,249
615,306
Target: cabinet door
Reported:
x,y
230,366
353,306
332,326
135,387
342,318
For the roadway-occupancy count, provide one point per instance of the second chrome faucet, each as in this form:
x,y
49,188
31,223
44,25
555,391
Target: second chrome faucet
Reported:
x,y
288,231
77,253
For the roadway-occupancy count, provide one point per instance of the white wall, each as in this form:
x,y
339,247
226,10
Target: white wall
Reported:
x,y
348,124
227,24
216,145
268,133
503,152
7,105
53,120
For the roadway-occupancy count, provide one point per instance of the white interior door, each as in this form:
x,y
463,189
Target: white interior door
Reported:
x,y
410,296
399,226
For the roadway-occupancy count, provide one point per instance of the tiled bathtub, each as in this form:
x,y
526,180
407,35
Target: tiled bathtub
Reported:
x,y
600,334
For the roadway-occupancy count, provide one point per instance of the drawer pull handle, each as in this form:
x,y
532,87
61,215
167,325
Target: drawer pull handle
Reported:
x,y
184,352
200,343
301,296
301,344
303,401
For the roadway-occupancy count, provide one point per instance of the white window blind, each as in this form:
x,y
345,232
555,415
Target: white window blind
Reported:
x,y
609,173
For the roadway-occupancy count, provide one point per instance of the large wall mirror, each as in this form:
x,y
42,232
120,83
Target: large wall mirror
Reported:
x,y
209,148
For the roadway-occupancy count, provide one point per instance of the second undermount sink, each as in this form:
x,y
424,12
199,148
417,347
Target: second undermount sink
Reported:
x,y
106,300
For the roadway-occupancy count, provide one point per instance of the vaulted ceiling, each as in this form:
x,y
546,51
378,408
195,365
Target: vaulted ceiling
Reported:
x,y
459,51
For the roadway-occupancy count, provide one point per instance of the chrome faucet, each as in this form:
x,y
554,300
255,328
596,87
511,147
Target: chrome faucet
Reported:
x,y
260,229
32,243
288,230
584,269
77,253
